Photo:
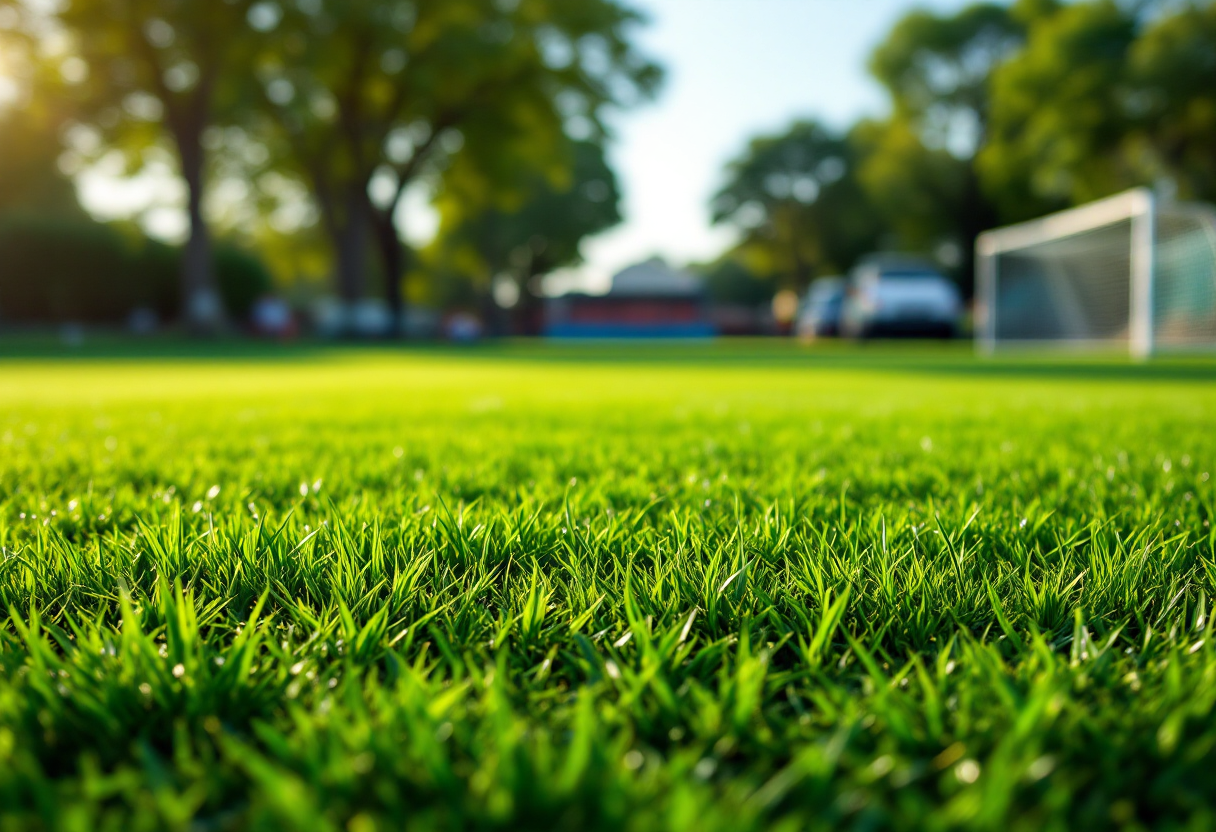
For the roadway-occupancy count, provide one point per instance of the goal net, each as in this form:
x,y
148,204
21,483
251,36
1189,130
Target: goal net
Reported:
x,y
1132,271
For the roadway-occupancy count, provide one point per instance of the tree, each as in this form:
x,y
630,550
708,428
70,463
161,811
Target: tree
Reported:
x,y
920,163
798,205
371,96
1173,78
528,231
143,70
30,181
918,191
1105,96
729,282
937,70
1059,126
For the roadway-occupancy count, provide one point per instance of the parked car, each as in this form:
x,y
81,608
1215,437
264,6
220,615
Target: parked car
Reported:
x,y
892,296
821,310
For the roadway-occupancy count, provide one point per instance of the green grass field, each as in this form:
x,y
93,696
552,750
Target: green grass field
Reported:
x,y
687,588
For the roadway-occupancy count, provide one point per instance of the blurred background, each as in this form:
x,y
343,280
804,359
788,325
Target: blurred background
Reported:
x,y
465,169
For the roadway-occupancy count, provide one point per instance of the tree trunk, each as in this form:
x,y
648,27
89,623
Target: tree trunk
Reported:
x,y
201,305
803,271
351,247
393,258
529,312
977,216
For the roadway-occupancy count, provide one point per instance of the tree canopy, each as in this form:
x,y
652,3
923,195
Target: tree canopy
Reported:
x,y
494,112
368,96
30,181
1059,126
797,203
138,73
936,69
531,231
1173,71
356,101
997,114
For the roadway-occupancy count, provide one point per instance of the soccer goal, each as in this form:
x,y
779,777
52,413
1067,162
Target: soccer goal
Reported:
x,y
1131,271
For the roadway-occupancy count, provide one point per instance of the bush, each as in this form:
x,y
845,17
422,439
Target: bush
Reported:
x,y
241,279
56,271
730,282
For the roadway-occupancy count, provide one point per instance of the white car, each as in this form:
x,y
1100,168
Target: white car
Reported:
x,y
892,296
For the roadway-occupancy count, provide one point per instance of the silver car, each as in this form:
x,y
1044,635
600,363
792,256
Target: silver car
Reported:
x,y
893,296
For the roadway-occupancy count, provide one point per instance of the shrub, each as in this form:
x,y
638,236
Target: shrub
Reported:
x,y
56,270
241,278
730,282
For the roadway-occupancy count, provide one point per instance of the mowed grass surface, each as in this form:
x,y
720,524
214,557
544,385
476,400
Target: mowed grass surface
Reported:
x,y
607,588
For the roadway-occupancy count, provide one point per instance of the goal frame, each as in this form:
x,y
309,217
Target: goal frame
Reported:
x,y
1140,206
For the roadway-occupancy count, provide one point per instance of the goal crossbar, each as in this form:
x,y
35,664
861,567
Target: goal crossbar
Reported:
x,y
1139,207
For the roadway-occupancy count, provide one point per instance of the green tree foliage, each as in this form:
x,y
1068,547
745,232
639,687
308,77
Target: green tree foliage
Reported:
x,y
370,96
1002,113
937,68
140,72
798,205
1173,70
529,231
1060,125
1104,97
730,282
30,180
907,181
919,164
918,191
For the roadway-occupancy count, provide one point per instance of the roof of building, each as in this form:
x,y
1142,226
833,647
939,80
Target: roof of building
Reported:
x,y
655,278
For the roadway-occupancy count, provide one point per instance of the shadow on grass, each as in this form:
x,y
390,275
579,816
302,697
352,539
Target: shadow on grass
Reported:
x,y
932,358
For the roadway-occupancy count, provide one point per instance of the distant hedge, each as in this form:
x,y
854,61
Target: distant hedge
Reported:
x,y
241,278
57,271
730,282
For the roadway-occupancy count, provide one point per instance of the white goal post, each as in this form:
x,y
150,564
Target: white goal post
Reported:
x,y
1132,271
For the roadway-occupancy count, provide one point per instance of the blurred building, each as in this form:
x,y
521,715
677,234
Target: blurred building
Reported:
x,y
649,300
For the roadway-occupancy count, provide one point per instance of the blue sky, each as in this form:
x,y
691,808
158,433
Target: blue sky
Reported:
x,y
736,68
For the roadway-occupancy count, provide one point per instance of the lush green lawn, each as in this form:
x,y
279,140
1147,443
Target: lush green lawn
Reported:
x,y
682,588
